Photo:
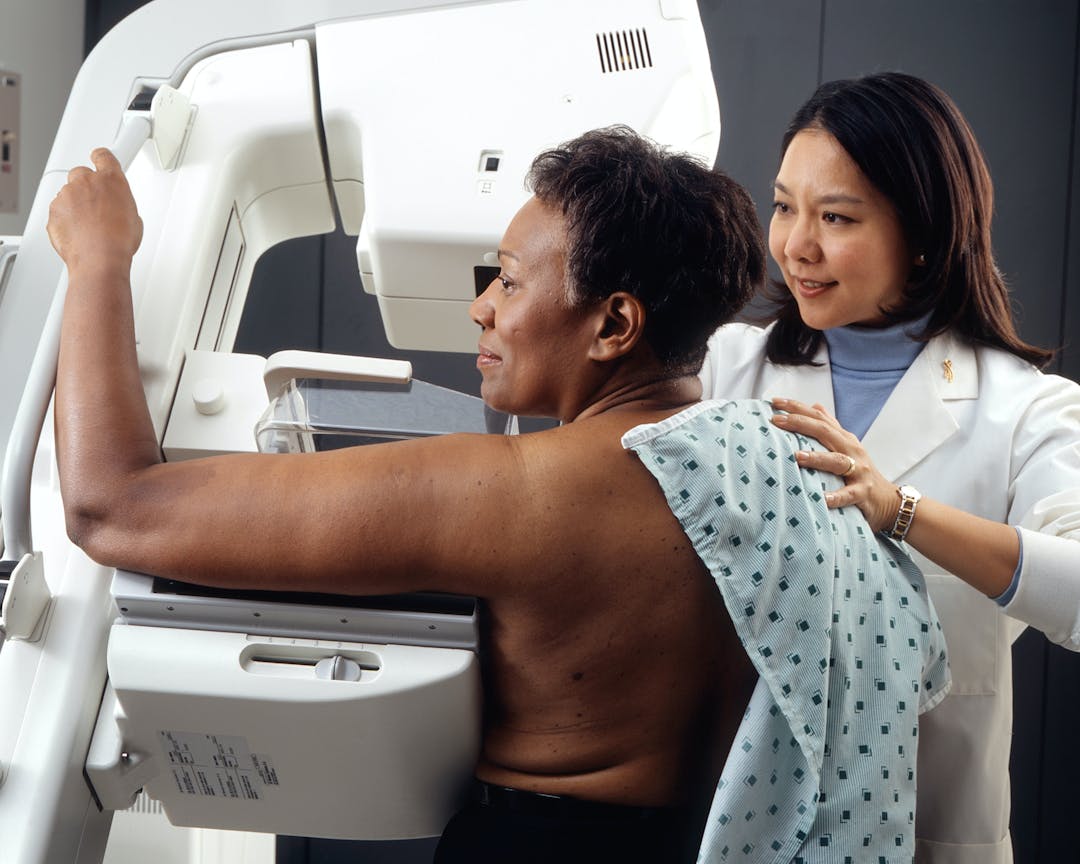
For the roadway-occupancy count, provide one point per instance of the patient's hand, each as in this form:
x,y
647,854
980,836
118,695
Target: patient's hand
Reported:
x,y
865,487
93,221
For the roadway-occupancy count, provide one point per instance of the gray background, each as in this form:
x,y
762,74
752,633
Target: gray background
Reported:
x,y
1011,65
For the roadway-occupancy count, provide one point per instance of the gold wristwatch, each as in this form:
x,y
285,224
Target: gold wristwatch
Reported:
x,y
909,497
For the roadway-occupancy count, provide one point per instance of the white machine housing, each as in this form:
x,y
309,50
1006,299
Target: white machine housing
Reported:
x,y
411,124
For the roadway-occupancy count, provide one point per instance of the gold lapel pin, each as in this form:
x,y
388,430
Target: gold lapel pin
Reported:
x,y
947,369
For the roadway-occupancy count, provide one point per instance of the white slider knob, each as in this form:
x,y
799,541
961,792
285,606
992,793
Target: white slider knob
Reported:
x,y
337,668
208,396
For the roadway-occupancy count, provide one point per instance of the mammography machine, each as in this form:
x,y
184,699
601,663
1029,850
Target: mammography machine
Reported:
x,y
410,125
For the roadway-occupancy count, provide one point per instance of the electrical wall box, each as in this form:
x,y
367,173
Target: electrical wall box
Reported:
x,y
9,142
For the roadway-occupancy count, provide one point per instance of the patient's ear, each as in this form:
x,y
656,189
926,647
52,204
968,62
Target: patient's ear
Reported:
x,y
621,325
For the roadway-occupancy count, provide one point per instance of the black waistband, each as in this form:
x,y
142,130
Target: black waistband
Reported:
x,y
564,806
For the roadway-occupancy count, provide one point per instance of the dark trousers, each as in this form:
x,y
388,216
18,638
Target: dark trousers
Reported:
x,y
508,826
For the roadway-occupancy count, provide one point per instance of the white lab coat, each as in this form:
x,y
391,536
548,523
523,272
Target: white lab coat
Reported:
x,y
1000,440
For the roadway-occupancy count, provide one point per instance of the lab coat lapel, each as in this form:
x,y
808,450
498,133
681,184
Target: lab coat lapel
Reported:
x,y
808,384
916,419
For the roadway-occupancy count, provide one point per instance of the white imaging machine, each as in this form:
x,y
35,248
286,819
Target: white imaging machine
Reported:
x,y
242,124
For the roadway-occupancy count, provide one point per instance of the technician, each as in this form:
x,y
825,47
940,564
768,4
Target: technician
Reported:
x,y
894,324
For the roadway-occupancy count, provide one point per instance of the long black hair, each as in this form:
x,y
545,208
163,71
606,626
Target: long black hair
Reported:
x,y
912,143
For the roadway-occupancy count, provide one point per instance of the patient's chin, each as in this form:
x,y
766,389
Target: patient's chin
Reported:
x,y
497,400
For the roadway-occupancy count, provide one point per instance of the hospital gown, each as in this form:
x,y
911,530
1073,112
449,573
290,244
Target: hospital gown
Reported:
x,y
839,626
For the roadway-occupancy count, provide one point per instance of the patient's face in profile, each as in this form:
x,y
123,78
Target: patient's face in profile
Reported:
x,y
532,340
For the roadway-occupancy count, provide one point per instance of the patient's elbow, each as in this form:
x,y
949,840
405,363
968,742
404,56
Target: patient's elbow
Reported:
x,y
80,527
86,523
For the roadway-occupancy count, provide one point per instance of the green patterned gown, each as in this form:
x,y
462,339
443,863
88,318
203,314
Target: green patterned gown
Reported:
x,y
838,624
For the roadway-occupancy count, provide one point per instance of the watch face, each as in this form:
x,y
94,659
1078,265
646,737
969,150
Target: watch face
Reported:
x,y
910,492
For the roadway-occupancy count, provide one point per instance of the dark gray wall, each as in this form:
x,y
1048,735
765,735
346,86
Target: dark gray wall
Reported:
x,y
1012,66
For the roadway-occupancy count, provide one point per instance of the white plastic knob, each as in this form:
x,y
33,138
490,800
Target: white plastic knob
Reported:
x,y
208,396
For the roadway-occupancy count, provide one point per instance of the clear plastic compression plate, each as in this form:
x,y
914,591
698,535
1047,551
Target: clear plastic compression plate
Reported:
x,y
313,414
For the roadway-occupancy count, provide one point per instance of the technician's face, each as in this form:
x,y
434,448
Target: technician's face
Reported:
x,y
837,239
528,348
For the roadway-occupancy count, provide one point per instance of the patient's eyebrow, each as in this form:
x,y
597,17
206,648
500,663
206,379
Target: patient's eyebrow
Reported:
x,y
831,198
506,253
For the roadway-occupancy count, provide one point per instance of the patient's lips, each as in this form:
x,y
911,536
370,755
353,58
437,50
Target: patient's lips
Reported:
x,y
486,358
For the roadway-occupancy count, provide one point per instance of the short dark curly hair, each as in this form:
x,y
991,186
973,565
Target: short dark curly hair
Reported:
x,y
682,238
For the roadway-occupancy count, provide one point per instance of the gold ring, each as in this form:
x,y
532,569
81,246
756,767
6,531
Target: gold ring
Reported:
x,y
850,466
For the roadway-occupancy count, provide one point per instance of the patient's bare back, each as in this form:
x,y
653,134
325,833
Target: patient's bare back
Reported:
x,y
613,669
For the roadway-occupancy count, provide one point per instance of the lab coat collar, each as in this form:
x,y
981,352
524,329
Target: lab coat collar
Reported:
x,y
915,419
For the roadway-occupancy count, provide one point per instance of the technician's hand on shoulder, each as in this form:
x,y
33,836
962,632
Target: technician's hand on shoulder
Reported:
x,y
864,486
93,220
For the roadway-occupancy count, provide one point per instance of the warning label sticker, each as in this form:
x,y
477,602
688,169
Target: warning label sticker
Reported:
x,y
216,766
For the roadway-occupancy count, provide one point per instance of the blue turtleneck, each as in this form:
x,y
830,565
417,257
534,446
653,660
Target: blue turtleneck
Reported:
x,y
867,363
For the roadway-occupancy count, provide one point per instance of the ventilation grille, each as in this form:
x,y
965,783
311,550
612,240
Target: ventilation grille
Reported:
x,y
624,50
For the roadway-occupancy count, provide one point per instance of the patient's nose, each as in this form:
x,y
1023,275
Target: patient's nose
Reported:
x,y
481,310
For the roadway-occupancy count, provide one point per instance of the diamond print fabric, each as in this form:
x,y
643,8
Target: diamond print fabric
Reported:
x,y
838,625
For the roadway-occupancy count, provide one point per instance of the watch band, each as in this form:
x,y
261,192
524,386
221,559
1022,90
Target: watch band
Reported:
x,y
909,498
